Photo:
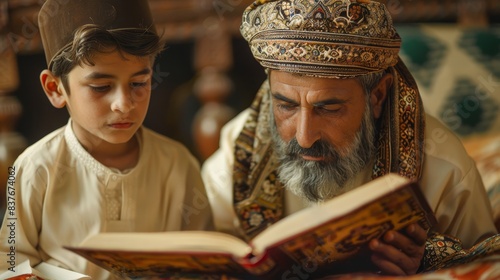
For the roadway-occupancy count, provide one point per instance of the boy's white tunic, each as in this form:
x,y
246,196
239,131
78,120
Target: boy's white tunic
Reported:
x,y
63,195
450,182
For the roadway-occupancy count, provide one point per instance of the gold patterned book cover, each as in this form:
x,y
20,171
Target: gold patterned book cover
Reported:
x,y
329,238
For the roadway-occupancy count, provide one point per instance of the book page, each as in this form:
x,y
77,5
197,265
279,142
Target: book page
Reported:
x,y
45,271
336,208
165,254
48,271
21,268
172,241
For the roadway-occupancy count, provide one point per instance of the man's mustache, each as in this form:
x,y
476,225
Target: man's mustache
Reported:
x,y
320,148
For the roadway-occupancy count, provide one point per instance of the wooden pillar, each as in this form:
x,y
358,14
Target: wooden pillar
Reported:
x,y
472,13
213,58
11,142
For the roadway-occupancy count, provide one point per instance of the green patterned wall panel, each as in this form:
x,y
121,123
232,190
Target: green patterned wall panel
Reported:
x,y
484,47
458,73
423,54
469,110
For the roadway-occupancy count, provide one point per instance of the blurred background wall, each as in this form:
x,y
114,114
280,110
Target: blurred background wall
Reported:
x,y
207,74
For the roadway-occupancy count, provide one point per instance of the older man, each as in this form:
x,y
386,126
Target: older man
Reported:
x,y
338,109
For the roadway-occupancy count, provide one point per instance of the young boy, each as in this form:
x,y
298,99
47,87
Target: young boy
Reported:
x,y
103,171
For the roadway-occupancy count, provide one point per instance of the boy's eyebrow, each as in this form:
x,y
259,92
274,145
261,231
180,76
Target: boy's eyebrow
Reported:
x,y
144,71
99,75
330,101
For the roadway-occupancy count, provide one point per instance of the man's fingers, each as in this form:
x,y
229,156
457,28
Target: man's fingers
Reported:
x,y
399,253
387,267
417,233
390,253
403,243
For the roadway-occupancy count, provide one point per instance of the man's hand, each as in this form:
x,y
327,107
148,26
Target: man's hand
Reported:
x,y
399,253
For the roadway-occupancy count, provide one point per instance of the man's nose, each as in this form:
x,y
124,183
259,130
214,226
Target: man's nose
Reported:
x,y
308,129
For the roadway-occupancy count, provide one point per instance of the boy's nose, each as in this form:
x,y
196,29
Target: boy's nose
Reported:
x,y
122,102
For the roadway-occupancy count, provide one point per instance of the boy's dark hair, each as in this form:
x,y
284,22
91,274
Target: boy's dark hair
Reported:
x,y
91,39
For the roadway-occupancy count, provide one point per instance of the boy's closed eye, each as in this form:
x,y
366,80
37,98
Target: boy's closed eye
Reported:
x,y
100,89
106,88
139,84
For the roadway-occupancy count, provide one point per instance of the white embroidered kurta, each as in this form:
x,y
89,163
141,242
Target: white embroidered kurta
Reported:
x,y
63,195
450,182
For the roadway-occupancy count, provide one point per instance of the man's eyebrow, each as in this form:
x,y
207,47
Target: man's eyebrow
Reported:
x,y
331,101
99,75
283,98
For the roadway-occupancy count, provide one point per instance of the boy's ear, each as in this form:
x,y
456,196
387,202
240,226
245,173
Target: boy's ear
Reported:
x,y
379,95
53,88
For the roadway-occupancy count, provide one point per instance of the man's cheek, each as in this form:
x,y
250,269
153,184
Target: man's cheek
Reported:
x,y
285,132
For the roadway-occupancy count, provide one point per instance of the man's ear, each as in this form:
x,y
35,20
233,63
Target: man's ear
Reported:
x,y
379,94
53,88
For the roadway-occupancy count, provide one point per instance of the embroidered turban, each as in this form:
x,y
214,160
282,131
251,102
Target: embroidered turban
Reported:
x,y
325,38
58,20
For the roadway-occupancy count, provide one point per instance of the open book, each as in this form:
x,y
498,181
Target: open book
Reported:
x,y
43,271
331,237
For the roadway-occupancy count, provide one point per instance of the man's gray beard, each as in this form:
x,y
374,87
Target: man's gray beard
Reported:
x,y
318,181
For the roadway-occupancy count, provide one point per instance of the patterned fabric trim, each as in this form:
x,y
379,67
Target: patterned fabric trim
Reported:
x,y
255,165
321,55
443,251
401,135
